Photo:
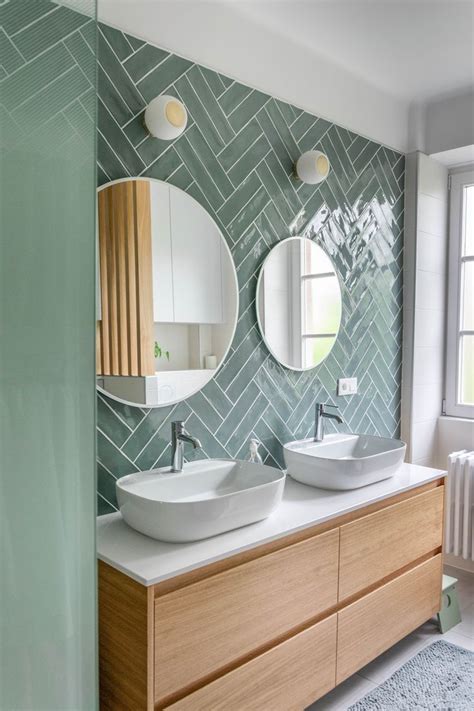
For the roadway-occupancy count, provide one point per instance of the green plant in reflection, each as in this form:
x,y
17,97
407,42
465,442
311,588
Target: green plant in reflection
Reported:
x,y
160,353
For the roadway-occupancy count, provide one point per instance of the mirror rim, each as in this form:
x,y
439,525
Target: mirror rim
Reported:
x,y
235,283
259,283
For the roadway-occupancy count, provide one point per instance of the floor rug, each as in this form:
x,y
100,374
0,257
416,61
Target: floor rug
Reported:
x,y
441,676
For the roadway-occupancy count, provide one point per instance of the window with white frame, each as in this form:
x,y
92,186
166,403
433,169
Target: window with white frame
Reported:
x,y
460,328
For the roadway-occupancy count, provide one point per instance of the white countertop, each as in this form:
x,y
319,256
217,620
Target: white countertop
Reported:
x,y
149,561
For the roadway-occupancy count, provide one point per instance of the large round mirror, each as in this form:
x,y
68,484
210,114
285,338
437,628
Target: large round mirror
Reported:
x,y
298,303
167,294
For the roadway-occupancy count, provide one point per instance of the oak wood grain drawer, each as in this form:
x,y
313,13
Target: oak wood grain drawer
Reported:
x,y
205,626
381,543
290,676
374,623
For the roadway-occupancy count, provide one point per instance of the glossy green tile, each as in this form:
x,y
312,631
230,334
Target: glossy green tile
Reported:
x,y
209,101
249,213
209,161
202,176
110,424
160,78
111,165
289,112
119,78
247,373
181,178
135,42
254,410
275,191
273,109
117,41
311,138
115,103
302,125
110,128
234,150
199,114
247,109
144,60
168,163
285,158
107,502
233,96
214,81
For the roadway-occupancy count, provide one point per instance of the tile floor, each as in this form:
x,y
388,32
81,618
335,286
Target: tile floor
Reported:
x,y
384,666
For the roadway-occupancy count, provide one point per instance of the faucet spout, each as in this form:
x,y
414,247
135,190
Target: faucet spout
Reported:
x,y
320,415
191,440
178,437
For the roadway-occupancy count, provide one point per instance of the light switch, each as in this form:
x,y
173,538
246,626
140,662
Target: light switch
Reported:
x,y
347,386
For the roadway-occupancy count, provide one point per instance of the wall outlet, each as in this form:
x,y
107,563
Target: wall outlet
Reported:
x,y
347,386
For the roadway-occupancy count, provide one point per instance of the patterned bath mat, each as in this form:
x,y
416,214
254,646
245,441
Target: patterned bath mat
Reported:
x,y
441,676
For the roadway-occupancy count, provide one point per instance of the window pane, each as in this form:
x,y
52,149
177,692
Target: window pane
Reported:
x,y
467,297
321,305
315,260
466,384
468,227
315,350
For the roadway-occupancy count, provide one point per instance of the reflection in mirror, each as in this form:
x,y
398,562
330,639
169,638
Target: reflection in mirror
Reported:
x,y
299,303
167,293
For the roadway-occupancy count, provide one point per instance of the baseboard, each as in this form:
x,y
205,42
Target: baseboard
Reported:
x,y
455,561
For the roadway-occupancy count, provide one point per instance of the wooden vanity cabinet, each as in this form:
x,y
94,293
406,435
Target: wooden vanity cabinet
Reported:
x,y
278,626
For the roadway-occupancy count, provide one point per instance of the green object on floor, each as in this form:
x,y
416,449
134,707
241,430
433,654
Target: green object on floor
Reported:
x,y
450,614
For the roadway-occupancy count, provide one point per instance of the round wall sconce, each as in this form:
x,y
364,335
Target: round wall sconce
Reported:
x,y
166,117
312,167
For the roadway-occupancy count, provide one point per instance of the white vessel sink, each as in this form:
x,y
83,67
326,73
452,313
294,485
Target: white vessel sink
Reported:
x,y
208,497
343,461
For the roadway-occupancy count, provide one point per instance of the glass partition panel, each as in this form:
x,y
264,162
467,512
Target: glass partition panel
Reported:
x,y
47,357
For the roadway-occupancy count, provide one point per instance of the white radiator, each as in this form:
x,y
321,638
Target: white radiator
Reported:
x,y
459,506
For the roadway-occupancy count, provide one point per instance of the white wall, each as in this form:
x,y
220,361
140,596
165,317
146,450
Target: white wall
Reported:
x,y
223,38
454,434
425,265
449,123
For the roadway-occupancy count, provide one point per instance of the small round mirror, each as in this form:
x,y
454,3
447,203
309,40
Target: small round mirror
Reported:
x,y
299,303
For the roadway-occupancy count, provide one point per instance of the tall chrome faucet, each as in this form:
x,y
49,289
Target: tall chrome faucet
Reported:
x,y
178,437
319,420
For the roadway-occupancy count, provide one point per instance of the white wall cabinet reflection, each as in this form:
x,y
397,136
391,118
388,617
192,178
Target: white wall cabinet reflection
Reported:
x,y
187,250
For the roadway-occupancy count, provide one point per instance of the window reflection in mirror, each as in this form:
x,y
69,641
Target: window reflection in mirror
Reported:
x,y
299,303
167,293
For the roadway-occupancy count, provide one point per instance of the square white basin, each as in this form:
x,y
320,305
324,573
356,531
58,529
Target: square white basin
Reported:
x,y
208,497
343,461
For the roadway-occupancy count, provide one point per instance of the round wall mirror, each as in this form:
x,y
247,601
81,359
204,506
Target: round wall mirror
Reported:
x,y
167,293
299,303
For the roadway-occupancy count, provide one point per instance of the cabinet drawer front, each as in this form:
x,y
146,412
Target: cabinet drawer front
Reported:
x,y
202,628
383,542
289,676
375,622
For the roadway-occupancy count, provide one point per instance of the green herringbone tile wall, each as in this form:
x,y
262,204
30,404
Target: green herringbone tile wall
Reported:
x,y
236,159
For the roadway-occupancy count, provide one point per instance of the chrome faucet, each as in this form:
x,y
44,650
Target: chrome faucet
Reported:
x,y
319,420
178,437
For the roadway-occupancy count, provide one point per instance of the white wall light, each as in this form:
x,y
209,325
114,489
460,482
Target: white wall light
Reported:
x,y
166,117
312,167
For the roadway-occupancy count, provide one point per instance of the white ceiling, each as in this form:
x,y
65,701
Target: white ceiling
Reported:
x,y
413,49
370,65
